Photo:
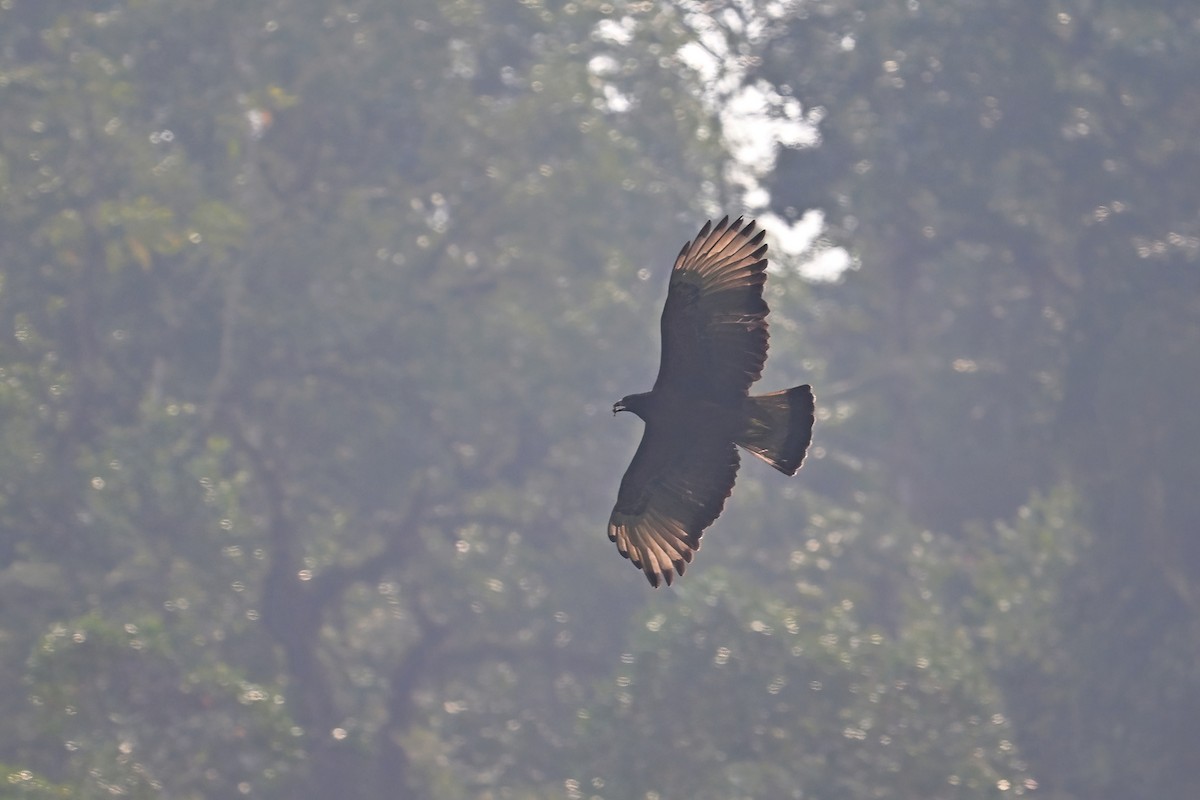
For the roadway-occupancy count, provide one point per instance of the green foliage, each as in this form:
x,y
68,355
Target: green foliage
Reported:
x,y
22,783
1017,183
157,717
311,315
756,695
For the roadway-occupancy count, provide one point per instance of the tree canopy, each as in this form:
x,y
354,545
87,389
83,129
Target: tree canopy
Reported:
x,y
310,319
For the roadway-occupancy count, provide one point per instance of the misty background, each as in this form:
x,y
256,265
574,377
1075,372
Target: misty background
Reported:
x,y
312,314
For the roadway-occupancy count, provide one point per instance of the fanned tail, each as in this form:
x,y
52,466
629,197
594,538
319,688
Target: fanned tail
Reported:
x,y
779,427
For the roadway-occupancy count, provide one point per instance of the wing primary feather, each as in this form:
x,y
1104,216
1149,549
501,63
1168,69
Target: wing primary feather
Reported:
x,y
695,243
726,237
728,249
659,561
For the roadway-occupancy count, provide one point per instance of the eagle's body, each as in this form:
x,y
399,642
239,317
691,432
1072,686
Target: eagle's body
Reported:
x,y
714,345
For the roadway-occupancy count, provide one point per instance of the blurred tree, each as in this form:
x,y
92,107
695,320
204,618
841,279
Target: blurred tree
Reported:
x,y
311,315
1017,181
787,691
276,376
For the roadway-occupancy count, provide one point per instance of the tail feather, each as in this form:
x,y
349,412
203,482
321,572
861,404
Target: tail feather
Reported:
x,y
779,427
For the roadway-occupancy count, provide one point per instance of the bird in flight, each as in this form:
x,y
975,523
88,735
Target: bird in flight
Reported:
x,y
714,345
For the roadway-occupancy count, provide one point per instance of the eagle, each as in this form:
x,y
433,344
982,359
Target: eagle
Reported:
x,y
714,345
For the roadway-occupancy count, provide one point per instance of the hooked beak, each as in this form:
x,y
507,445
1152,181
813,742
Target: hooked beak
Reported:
x,y
618,406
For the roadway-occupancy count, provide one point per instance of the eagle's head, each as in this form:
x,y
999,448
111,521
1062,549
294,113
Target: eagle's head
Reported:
x,y
637,403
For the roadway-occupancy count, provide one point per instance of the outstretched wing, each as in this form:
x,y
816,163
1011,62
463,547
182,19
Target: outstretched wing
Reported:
x,y
674,488
714,327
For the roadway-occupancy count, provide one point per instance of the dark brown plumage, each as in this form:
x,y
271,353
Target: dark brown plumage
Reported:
x,y
714,345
